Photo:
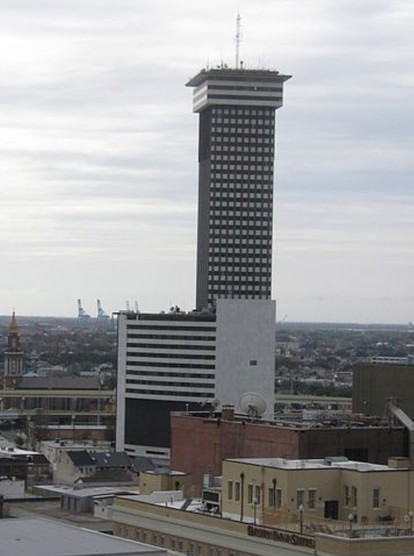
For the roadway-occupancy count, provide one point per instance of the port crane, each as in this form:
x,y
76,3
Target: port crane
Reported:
x,y
82,314
102,316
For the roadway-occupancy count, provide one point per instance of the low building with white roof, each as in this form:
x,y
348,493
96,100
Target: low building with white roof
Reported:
x,y
273,490
268,506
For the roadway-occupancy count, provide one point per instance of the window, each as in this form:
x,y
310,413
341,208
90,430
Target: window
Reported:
x,y
376,498
278,498
230,490
312,499
300,496
346,495
257,494
275,497
354,497
237,491
249,494
271,497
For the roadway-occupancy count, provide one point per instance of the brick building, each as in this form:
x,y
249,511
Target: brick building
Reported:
x,y
201,442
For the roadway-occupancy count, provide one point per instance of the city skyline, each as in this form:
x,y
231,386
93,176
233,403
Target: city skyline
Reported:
x,y
99,153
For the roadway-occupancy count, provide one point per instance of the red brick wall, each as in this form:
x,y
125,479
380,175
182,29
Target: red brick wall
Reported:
x,y
199,445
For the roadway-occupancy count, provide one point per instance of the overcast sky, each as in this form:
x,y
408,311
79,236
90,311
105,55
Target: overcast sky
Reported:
x,y
99,152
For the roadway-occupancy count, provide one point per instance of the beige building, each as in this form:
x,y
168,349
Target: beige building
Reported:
x,y
284,507
151,481
169,525
275,490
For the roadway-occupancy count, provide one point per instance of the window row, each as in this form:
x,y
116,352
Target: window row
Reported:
x,y
240,131
169,374
264,112
167,328
241,154
242,123
194,347
261,274
242,224
351,497
247,158
224,236
241,205
158,365
302,502
237,255
243,146
248,161
245,292
161,383
169,355
172,393
173,543
251,170
304,498
172,337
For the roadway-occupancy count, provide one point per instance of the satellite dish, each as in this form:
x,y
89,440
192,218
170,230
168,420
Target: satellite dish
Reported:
x,y
253,404
215,403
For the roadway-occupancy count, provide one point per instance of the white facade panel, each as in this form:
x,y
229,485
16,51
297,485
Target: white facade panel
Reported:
x,y
245,351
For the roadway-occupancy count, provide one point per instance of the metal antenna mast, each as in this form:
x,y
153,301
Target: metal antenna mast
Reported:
x,y
238,39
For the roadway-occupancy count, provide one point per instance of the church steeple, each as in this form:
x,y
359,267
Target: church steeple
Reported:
x,y
13,324
13,356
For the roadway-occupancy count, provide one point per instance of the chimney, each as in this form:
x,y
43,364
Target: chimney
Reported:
x,y
227,413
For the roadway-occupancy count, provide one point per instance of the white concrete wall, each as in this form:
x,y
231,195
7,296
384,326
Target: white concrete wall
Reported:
x,y
245,334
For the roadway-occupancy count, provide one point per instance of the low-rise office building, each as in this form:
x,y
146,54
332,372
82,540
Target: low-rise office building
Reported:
x,y
273,490
273,506
184,528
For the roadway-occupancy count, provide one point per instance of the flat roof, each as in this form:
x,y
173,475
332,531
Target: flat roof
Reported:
x,y
328,463
242,75
14,451
92,491
43,537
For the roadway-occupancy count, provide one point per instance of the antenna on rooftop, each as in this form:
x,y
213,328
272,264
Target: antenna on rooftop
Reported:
x,y
237,39
253,404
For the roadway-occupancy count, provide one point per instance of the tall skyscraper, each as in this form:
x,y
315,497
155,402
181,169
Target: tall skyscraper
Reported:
x,y
183,361
236,167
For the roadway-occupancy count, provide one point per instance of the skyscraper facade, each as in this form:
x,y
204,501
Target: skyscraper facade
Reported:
x,y
225,348
236,168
